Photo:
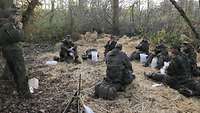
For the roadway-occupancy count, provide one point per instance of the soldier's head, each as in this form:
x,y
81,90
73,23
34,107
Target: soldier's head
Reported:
x,y
187,47
118,46
175,50
145,39
112,37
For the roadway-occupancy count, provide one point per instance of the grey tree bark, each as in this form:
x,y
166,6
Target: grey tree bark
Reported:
x,y
115,20
187,20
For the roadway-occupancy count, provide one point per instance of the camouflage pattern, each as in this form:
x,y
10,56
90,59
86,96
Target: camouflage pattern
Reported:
x,y
189,51
105,90
179,76
143,47
88,54
109,46
9,34
15,67
119,69
4,4
161,53
118,74
68,51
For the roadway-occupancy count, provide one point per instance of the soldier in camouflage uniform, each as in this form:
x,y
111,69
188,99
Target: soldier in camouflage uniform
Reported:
x,y
10,35
189,51
68,51
178,75
119,68
143,47
118,74
161,53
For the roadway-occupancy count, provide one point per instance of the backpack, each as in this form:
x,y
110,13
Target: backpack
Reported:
x,y
105,90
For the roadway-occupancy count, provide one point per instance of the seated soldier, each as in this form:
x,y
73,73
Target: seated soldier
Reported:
x,y
118,74
178,75
88,54
161,53
189,51
68,51
110,45
143,47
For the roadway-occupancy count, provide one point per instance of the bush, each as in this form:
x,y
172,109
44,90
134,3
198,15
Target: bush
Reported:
x,y
169,38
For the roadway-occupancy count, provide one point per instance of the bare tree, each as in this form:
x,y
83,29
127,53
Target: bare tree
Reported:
x,y
29,11
52,10
70,11
115,8
183,14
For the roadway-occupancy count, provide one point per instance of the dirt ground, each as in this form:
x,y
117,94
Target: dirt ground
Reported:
x,y
57,83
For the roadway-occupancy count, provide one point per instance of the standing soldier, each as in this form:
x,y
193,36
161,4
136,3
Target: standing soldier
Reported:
x,y
10,34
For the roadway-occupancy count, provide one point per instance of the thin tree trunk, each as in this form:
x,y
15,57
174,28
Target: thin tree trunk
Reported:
x,y
52,11
199,9
183,14
147,17
115,7
71,16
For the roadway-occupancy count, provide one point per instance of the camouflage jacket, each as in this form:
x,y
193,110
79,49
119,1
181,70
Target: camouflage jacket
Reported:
x,y
179,68
9,34
118,64
143,46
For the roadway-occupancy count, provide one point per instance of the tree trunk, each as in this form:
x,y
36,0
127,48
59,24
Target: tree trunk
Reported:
x,y
147,17
29,12
52,11
71,16
183,14
199,8
115,8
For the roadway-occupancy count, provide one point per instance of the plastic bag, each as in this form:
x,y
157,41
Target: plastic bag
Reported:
x,y
143,58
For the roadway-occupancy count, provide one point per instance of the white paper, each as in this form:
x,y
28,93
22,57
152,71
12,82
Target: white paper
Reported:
x,y
51,62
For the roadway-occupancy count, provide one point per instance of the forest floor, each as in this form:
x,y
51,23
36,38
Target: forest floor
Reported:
x,y
57,84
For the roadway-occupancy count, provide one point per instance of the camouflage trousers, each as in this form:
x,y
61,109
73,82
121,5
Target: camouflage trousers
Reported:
x,y
187,87
15,67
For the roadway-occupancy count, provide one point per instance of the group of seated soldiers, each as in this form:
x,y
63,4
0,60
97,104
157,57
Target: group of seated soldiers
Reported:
x,y
119,73
181,70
